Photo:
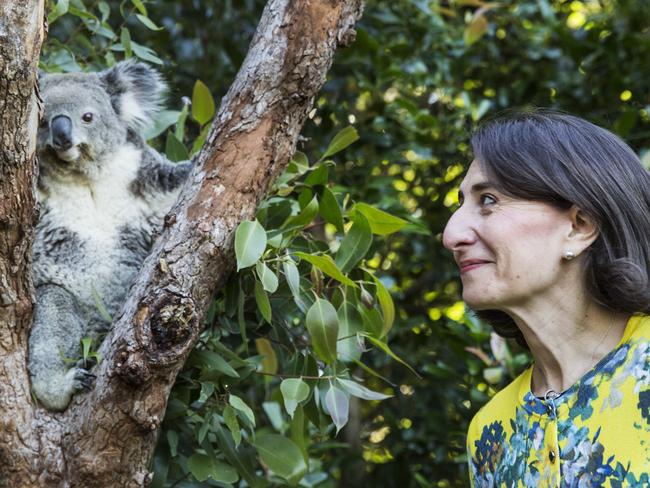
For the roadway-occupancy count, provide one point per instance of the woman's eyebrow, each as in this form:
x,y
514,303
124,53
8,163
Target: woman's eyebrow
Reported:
x,y
476,187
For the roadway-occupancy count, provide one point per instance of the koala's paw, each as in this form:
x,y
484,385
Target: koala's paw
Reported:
x,y
80,379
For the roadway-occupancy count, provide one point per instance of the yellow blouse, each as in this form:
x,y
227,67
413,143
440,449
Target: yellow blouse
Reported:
x,y
597,433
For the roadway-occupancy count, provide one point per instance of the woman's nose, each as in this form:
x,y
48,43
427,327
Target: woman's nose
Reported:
x,y
458,231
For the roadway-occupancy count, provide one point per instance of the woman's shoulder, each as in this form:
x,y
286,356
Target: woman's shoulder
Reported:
x,y
502,406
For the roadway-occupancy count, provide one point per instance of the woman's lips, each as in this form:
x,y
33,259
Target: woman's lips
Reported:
x,y
470,264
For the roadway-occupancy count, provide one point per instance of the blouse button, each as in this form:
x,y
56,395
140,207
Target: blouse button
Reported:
x,y
551,456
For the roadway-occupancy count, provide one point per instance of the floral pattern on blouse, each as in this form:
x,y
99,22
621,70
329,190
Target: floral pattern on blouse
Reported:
x,y
596,434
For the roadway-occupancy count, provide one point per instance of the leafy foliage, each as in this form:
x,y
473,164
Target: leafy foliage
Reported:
x,y
359,226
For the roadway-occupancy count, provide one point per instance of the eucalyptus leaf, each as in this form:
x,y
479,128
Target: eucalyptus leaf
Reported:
x,y
386,304
282,456
355,244
350,322
269,358
360,391
294,391
267,277
341,140
330,210
292,276
263,303
381,223
202,103
327,265
230,418
250,242
338,406
323,326
240,405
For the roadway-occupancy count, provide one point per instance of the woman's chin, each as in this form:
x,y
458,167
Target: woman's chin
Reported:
x,y
479,302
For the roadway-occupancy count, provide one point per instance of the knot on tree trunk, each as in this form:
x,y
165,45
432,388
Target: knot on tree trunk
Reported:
x,y
172,323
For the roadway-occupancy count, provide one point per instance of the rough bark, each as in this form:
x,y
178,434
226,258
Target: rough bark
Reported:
x,y
106,438
21,35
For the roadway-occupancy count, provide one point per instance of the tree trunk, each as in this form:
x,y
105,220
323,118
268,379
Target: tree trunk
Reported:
x,y
106,437
21,35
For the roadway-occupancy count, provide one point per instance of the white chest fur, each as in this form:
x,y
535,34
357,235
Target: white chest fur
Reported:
x,y
97,209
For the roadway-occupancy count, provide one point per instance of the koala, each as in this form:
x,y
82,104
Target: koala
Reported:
x,y
103,195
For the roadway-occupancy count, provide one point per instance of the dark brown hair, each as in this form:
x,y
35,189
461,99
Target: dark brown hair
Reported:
x,y
561,159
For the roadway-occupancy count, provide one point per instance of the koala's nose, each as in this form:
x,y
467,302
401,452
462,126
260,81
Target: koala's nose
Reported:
x,y
61,127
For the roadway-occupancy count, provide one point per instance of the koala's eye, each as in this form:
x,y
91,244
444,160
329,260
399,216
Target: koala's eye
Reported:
x,y
87,117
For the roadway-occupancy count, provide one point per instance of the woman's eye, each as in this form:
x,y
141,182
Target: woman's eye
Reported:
x,y
87,117
488,199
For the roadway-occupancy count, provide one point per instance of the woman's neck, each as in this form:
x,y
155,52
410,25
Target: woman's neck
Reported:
x,y
567,339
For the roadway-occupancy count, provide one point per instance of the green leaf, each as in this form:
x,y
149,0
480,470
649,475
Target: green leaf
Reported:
x,y
319,175
373,322
145,53
172,440
105,10
140,6
250,242
350,323
162,121
202,103
330,210
298,431
301,162
207,389
292,276
236,459
199,141
230,418
384,347
305,216
360,391
60,9
148,23
386,304
241,320
239,405
282,456
269,360
181,118
381,223
273,412
327,265
294,391
323,326
355,244
267,277
86,342
262,300
202,466
341,140
125,40
99,304
175,150
215,362
476,29
337,404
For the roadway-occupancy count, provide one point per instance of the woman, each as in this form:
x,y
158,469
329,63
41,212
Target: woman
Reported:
x,y
552,238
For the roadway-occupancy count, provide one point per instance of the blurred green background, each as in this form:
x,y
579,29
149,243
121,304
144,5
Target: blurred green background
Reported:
x,y
419,77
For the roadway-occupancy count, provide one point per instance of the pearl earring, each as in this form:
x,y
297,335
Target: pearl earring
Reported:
x,y
569,255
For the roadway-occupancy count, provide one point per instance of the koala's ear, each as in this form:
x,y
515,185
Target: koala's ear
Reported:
x,y
136,90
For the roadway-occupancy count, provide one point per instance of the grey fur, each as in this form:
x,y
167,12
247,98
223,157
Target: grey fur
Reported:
x,y
103,193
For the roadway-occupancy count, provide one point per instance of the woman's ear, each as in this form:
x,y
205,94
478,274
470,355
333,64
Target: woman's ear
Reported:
x,y
584,231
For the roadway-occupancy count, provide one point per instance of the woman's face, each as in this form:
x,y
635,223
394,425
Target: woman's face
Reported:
x,y
509,250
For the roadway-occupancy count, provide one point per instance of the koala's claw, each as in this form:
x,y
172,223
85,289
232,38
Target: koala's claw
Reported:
x,y
83,379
